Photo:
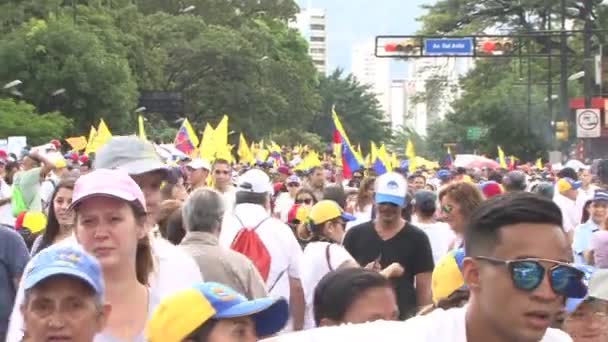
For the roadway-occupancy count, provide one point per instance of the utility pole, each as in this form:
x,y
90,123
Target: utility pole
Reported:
x,y
549,70
588,58
563,67
588,65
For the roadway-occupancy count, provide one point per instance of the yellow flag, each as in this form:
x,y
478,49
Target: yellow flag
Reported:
x,y
77,143
539,163
374,152
311,160
207,147
92,135
101,138
220,134
410,153
383,154
103,133
244,153
142,129
501,158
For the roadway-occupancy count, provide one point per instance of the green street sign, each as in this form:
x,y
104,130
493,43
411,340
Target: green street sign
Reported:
x,y
474,133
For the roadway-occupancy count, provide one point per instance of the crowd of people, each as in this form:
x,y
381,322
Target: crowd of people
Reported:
x,y
124,246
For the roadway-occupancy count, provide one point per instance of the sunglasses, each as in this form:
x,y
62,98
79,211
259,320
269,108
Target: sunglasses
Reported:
x,y
305,201
290,185
528,274
447,209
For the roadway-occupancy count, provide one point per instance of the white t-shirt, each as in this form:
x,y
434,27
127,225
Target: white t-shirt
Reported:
x,y
440,236
365,214
6,211
568,209
176,270
316,261
47,187
282,205
228,198
438,326
278,239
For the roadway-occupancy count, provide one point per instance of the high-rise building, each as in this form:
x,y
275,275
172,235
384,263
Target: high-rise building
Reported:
x,y
432,85
375,72
311,22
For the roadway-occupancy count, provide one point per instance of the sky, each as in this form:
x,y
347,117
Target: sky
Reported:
x,y
355,21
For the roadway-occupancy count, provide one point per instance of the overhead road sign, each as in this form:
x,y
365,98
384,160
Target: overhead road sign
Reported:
x,y
449,46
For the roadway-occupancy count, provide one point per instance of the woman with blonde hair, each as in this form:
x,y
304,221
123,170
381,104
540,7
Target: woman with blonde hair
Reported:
x,y
110,213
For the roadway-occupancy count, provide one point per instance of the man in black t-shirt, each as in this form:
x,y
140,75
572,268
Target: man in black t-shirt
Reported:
x,y
389,239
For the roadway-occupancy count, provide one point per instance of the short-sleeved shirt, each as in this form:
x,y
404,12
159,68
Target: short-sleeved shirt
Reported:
x,y
13,258
599,245
278,239
410,247
319,259
29,184
6,211
582,239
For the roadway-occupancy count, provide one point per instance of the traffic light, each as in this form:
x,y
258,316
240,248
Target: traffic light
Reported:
x,y
561,131
407,47
494,46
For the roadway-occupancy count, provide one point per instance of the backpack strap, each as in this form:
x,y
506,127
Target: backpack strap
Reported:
x,y
328,256
256,226
276,280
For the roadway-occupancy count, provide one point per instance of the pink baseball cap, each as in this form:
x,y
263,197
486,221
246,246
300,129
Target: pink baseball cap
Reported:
x,y
108,183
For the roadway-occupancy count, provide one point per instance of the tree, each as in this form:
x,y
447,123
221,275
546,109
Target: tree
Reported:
x,y
259,74
221,12
49,55
21,119
294,136
495,97
357,107
495,102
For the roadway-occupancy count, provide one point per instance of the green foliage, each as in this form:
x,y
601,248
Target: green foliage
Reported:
x,y
400,138
225,57
21,118
357,107
51,55
290,136
224,12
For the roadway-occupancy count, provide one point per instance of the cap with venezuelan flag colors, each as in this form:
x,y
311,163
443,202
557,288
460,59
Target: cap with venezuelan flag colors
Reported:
x,y
179,315
447,275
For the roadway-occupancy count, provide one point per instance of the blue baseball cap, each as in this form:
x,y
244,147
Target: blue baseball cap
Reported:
x,y
391,188
444,174
180,314
578,291
600,196
64,260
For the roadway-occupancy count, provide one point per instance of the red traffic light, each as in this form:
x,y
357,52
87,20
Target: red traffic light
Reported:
x,y
390,47
489,46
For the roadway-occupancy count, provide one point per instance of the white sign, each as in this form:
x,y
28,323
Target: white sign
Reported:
x,y
16,145
588,123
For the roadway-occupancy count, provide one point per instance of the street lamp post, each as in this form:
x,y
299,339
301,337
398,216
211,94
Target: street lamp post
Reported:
x,y
563,62
588,59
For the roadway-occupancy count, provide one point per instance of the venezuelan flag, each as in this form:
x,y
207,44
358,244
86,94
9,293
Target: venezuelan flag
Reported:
x,y
186,140
350,160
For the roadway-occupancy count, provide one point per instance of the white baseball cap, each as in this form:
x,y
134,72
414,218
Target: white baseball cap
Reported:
x,y
255,181
198,163
391,187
